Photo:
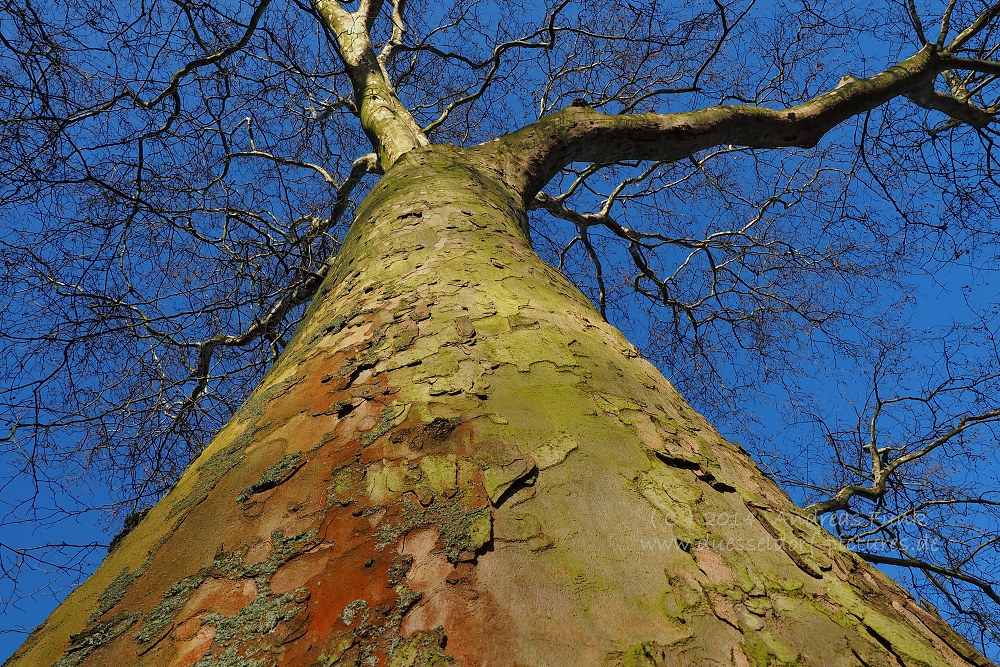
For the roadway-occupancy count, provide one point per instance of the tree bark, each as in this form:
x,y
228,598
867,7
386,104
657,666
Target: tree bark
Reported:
x,y
387,123
457,461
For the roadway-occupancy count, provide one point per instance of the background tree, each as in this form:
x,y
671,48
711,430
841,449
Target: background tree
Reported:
x,y
178,177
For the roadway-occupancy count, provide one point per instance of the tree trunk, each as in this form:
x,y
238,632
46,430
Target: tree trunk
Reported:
x,y
457,461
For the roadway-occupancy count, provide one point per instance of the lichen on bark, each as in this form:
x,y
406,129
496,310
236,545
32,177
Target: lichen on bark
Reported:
x,y
458,461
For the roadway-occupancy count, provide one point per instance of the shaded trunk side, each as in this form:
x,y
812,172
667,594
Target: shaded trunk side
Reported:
x,y
458,461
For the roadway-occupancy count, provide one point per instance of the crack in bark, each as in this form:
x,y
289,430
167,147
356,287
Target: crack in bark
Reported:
x,y
776,534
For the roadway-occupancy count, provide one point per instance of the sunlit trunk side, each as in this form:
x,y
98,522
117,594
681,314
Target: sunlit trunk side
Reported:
x,y
457,460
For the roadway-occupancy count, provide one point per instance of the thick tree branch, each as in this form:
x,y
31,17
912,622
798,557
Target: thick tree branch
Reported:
x,y
951,106
976,65
387,123
977,26
531,156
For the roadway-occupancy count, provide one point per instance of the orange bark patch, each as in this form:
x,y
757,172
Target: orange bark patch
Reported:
x,y
197,638
219,595
298,571
451,598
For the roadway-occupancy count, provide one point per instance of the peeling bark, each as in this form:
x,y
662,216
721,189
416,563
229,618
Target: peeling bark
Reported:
x,y
458,461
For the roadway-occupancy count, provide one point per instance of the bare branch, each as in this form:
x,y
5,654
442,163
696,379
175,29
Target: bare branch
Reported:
x,y
395,42
977,26
951,573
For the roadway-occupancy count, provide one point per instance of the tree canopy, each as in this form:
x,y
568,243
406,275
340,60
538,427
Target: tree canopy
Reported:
x,y
762,194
